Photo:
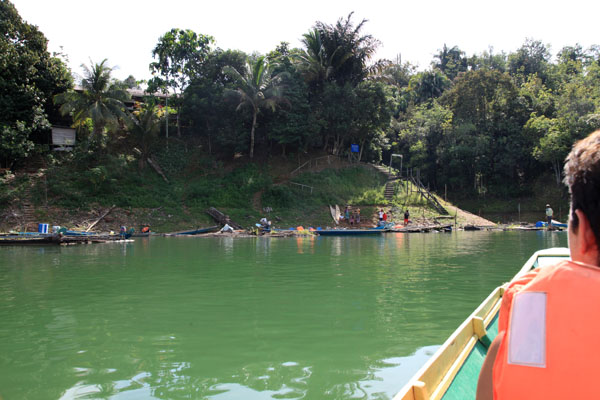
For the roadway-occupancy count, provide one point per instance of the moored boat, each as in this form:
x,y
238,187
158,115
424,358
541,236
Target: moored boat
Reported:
x,y
555,224
194,231
141,234
27,238
452,372
350,232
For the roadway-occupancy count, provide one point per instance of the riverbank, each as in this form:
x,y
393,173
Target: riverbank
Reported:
x,y
65,196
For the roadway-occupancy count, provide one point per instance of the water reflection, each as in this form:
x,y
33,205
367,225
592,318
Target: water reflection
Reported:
x,y
312,318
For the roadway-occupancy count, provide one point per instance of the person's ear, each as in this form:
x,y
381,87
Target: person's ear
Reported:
x,y
586,234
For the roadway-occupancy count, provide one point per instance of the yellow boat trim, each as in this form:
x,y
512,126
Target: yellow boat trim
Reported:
x,y
432,381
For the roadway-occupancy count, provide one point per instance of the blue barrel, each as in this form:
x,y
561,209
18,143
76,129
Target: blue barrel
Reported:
x,y
42,228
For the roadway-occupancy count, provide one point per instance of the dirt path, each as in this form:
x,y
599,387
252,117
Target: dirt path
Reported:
x,y
467,218
257,201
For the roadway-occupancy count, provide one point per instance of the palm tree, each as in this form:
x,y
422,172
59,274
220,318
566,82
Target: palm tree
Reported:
x,y
101,99
257,88
337,53
450,61
314,63
348,49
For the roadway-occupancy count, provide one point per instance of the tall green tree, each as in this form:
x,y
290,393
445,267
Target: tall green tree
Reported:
x,y
145,127
313,61
372,113
101,99
489,102
294,124
532,57
488,60
257,88
423,140
29,77
553,143
347,49
451,61
179,56
428,85
206,111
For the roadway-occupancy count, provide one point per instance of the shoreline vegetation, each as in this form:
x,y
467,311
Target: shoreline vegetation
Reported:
x,y
245,192
221,128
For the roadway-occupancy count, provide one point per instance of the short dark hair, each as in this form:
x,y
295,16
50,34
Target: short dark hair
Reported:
x,y
582,176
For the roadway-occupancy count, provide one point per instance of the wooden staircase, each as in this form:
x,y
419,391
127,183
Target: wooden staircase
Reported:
x,y
389,191
34,170
423,191
390,185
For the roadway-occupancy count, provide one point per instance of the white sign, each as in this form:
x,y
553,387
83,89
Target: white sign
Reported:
x,y
63,136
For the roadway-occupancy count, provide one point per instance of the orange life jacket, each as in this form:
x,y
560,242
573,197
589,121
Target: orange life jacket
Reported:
x,y
550,348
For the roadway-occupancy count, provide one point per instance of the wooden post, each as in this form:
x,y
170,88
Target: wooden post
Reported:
x,y
519,212
445,192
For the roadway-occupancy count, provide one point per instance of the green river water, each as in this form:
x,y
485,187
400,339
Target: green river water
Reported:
x,y
223,318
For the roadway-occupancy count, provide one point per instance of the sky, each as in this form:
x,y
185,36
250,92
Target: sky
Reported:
x,y
126,31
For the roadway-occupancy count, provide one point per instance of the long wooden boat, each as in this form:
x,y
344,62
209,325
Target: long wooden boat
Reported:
x,y
452,372
350,232
142,234
422,228
55,238
27,238
193,232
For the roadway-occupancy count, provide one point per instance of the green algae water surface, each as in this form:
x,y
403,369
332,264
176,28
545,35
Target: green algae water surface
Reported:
x,y
222,318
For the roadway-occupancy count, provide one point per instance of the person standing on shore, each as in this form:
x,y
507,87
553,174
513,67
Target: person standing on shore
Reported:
x,y
406,217
549,215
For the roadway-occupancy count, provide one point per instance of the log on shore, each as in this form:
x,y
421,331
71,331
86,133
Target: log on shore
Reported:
x,y
222,218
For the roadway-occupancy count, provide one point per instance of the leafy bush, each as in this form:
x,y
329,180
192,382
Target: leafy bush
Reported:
x,y
278,197
172,159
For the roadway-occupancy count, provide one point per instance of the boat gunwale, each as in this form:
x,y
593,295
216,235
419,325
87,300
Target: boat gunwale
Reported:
x,y
435,377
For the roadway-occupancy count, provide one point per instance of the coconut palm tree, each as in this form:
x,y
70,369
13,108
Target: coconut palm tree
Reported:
x,y
314,64
257,88
348,49
337,53
100,99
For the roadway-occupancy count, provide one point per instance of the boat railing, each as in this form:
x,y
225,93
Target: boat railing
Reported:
x,y
433,380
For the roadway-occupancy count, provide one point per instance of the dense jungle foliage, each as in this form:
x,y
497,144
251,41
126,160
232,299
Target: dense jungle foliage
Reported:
x,y
488,122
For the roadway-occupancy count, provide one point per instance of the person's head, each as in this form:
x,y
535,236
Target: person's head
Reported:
x,y
582,176
547,205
